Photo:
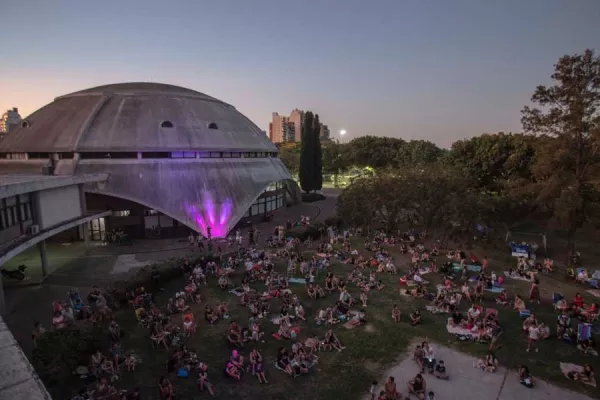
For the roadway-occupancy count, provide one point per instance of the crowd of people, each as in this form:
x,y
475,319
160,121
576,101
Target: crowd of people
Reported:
x,y
170,325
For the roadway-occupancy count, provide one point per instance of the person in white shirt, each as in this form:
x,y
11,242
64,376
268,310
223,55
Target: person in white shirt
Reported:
x,y
534,335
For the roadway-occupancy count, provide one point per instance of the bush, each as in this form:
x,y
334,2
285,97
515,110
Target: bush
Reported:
x,y
312,231
58,353
336,222
312,197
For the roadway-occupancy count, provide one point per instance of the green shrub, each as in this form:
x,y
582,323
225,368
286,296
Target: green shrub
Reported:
x,y
314,232
335,221
58,353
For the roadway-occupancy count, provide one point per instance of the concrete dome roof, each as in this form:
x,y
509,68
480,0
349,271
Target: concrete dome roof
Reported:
x,y
137,116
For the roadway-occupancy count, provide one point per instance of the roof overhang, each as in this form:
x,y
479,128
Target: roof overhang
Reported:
x,y
16,184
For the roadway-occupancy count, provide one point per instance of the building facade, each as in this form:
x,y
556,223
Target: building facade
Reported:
x,y
284,129
176,159
10,120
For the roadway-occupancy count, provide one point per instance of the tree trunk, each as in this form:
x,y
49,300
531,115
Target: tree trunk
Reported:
x,y
571,243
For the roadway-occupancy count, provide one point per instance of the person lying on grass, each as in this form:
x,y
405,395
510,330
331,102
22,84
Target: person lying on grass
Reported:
x,y
358,318
203,381
417,386
586,376
588,347
232,371
519,304
283,361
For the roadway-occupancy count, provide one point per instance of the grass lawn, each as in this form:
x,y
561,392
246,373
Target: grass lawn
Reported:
x,y
370,349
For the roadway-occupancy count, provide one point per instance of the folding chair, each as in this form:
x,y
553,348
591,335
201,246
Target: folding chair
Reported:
x,y
584,332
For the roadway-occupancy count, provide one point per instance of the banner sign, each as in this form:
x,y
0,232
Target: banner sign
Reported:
x,y
519,250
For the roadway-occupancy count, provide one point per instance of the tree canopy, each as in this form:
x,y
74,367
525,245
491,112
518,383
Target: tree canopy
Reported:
x,y
310,170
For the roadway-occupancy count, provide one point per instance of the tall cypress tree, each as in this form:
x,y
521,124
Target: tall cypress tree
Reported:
x,y
318,168
307,154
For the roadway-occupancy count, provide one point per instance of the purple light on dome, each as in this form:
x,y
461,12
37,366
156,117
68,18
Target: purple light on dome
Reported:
x,y
210,215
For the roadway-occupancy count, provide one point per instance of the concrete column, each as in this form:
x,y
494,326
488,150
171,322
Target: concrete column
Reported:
x,y
43,257
84,227
36,209
2,304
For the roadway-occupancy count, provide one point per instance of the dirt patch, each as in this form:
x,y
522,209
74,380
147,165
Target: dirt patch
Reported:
x,y
370,328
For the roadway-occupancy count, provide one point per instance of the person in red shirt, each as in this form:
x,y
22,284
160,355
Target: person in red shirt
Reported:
x,y
578,301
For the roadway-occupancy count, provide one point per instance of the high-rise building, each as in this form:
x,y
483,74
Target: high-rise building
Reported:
x,y
10,120
289,129
281,129
325,135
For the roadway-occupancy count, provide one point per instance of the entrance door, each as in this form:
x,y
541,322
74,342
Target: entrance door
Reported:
x,y
97,230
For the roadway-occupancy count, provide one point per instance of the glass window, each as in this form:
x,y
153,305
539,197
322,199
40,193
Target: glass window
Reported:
x,y
254,209
261,208
226,155
279,203
189,154
11,201
236,155
269,206
122,213
204,155
215,154
247,213
177,154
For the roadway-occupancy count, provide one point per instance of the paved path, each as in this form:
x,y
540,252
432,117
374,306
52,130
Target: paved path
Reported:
x,y
467,382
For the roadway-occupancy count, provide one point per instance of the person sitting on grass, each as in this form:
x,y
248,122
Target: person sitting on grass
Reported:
x,y
234,337
165,388
588,347
232,371
209,315
561,305
502,298
519,304
299,310
332,342
396,313
364,297
440,371
131,362
417,386
415,318
283,361
299,365
525,378
223,281
203,381
312,292
590,312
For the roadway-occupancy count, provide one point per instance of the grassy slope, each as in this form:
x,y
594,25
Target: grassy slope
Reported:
x,y
346,375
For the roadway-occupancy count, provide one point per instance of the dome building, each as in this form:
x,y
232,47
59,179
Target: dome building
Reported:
x,y
176,158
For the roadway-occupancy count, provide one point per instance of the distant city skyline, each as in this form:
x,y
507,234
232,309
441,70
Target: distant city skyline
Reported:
x,y
433,69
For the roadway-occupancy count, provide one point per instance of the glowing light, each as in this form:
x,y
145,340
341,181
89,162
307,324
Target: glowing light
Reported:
x,y
210,215
342,132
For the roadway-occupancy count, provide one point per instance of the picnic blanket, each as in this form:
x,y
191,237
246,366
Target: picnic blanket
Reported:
x,y
567,367
297,280
412,283
458,331
516,277
309,364
471,267
435,309
594,292
322,255
494,290
238,293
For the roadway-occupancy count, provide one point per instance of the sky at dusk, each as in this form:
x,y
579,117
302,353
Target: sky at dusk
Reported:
x,y
418,69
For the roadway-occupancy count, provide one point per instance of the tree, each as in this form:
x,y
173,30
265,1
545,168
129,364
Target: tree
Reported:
x,y
493,161
375,152
335,159
428,198
566,168
289,153
318,169
311,167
